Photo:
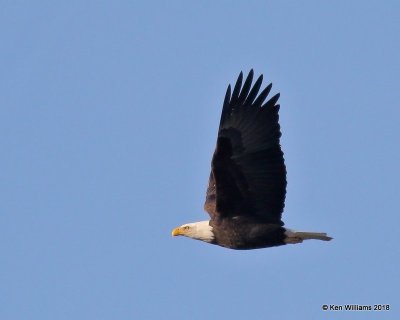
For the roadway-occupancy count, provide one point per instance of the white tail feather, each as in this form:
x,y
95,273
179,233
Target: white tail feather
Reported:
x,y
298,236
313,235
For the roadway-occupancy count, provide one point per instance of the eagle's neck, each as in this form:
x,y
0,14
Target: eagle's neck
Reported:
x,y
201,231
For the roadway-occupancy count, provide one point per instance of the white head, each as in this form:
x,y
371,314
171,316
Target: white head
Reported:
x,y
196,230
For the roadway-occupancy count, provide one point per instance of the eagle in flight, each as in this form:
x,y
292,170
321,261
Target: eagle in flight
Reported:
x,y
247,186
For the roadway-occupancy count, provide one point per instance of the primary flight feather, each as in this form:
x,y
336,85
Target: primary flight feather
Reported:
x,y
247,185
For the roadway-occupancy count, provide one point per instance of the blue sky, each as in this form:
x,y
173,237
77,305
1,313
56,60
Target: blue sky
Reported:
x,y
108,119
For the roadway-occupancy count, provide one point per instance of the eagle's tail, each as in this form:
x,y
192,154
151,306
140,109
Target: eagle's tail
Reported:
x,y
298,236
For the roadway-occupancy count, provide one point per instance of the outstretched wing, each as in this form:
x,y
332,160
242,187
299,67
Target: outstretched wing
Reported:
x,y
248,173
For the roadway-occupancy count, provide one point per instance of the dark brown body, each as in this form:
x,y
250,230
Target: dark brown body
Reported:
x,y
243,233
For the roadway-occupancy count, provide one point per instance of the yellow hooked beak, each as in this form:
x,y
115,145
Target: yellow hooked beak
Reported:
x,y
177,232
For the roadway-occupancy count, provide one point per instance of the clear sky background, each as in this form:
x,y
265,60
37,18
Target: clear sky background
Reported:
x,y
108,120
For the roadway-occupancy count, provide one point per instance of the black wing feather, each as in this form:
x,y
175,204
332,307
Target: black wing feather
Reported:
x,y
236,90
248,174
246,88
253,93
263,95
227,108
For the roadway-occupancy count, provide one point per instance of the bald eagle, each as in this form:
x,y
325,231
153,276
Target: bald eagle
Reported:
x,y
247,184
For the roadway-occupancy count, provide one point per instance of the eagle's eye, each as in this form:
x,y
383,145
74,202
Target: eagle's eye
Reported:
x,y
186,228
